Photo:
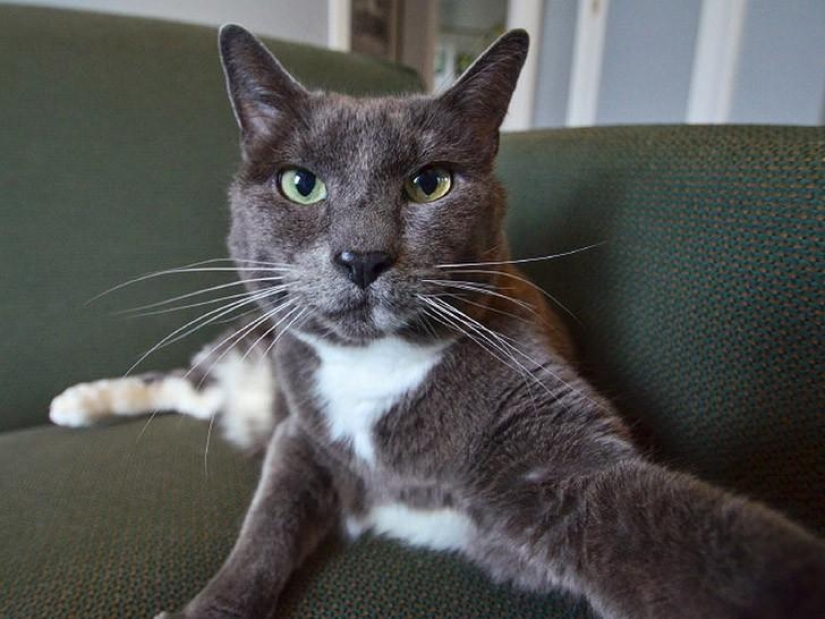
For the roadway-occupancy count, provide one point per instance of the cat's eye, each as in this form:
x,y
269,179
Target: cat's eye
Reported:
x,y
301,186
429,184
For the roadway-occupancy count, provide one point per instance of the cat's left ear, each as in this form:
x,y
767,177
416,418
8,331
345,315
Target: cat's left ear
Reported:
x,y
260,89
482,93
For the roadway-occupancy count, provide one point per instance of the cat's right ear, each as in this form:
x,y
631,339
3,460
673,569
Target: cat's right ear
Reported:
x,y
260,89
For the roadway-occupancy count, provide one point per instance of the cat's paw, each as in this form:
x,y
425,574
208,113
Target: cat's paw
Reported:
x,y
79,406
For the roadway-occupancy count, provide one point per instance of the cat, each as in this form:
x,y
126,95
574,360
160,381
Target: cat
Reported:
x,y
403,378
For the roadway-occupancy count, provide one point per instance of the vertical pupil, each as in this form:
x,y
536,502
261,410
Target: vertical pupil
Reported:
x,y
427,181
304,182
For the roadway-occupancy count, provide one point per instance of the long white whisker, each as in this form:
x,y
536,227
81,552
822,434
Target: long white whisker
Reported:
x,y
491,347
200,383
494,338
526,281
284,330
215,313
461,285
236,317
525,356
193,268
481,305
197,293
236,337
230,308
180,308
523,260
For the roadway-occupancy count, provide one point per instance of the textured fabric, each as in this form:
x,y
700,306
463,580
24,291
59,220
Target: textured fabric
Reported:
x,y
109,523
118,144
701,316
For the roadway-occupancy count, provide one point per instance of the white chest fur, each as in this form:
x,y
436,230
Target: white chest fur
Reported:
x,y
358,384
439,529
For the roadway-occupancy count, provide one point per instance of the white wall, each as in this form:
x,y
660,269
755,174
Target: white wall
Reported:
x,y
781,75
648,58
650,47
555,51
296,20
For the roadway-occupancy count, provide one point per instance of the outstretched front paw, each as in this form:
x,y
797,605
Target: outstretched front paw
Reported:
x,y
87,403
80,405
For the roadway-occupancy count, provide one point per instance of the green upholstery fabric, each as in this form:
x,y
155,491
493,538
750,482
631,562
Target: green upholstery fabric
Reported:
x,y
102,524
701,315
118,144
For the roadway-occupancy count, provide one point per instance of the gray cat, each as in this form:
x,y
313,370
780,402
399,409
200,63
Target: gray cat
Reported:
x,y
405,380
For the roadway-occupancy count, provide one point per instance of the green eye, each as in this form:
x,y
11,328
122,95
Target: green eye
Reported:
x,y
428,184
301,186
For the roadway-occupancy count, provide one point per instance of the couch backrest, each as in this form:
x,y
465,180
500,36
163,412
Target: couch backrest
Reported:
x,y
118,144
702,314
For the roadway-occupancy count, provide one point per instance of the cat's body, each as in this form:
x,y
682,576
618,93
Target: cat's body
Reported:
x,y
413,385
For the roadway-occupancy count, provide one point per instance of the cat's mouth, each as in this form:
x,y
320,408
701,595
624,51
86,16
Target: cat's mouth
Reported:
x,y
361,318
359,309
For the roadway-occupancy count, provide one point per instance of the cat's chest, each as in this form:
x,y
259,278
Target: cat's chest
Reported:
x,y
357,385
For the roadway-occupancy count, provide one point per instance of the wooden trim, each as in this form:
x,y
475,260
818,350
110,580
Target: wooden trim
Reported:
x,y
716,60
529,15
588,52
339,30
418,32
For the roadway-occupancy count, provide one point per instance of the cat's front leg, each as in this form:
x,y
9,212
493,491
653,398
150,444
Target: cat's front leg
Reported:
x,y
294,507
640,541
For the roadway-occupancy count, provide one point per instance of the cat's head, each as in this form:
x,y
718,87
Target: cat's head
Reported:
x,y
361,201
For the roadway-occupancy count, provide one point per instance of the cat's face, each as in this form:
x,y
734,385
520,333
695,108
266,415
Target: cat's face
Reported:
x,y
362,202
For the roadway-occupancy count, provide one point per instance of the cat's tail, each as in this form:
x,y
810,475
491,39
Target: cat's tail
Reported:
x,y
237,389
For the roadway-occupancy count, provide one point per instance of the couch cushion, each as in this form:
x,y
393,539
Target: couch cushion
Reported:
x,y
701,315
107,522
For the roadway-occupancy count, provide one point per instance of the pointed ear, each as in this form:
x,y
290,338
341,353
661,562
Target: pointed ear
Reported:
x,y
483,91
259,87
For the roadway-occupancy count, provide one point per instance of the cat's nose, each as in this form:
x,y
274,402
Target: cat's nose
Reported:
x,y
363,268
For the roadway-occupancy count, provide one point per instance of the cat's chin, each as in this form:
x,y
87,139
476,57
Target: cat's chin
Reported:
x,y
352,327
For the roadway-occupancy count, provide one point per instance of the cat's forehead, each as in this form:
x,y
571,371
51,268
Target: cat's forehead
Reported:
x,y
401,130
393,112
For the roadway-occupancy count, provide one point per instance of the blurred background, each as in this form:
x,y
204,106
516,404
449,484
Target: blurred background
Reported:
x,y
593,62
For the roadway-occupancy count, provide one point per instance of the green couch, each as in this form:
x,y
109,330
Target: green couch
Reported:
x,y
700,315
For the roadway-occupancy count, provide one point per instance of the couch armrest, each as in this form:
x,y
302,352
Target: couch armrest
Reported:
x,y
701,315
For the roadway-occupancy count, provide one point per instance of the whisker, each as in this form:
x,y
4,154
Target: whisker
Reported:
x,y
236,317
462,285
525,281
217,313
196,293
244,331
498,340
490,346
523,355
237,336
180,308
285,329
193,268
524,260
200,383
480,305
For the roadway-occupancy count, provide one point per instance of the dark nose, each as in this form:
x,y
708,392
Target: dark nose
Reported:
x,y
363,268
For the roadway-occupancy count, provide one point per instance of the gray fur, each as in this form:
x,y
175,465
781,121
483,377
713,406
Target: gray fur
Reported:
x,y
541,465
